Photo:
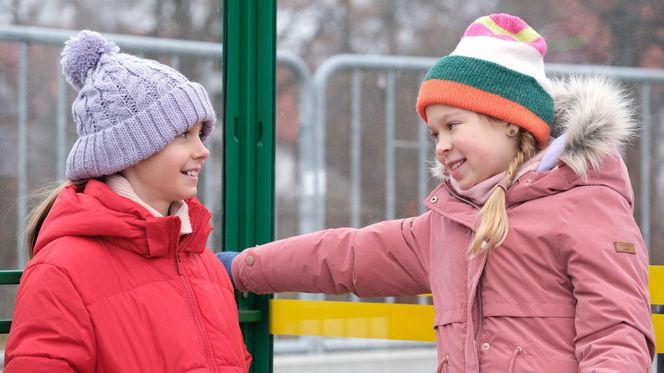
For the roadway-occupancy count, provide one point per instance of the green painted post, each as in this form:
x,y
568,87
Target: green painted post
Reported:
x,y
249,71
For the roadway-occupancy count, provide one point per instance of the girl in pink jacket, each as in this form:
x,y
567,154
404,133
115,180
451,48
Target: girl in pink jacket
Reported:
x,y
529,246
120,278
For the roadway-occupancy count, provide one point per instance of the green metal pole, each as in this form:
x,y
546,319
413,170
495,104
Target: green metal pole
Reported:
x,y
249,141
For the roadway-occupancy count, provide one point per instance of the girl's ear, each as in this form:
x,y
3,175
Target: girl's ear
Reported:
x,y
512,130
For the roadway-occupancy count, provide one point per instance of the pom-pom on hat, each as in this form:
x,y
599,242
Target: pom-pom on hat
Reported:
x,y
127,108
497,69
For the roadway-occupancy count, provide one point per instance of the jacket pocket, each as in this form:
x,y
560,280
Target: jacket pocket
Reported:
x,y
528,364
528,357
523,361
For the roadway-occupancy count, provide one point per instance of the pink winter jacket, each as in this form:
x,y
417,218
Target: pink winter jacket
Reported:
x,y
566,292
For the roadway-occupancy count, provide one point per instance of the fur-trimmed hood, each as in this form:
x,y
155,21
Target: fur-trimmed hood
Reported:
x,y
596,117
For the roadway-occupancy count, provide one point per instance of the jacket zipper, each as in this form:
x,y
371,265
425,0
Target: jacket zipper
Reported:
x,y
189,298
478,293
480,312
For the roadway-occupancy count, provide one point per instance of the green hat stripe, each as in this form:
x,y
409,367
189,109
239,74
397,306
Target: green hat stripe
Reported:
x,y
496,79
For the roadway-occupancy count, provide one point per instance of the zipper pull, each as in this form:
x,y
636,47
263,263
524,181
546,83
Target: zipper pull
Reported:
x,y
178,262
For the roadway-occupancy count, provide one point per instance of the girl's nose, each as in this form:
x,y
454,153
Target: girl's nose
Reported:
x,y
443,145
201,151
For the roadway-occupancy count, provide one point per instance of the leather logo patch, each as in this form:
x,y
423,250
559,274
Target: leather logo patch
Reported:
x,y
624,247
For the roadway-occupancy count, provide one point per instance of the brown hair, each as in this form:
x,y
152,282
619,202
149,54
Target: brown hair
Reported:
x,y
39,213
493,223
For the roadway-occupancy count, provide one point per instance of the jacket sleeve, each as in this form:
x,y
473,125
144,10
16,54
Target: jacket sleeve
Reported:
x,y
51,330
387,258
607,262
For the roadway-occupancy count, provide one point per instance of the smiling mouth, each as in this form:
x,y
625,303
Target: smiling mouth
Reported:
x,y
456,164
190,173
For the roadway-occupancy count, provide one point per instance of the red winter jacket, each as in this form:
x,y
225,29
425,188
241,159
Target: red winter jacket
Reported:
x,y
112,288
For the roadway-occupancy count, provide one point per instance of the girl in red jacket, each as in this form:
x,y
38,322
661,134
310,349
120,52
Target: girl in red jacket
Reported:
x,y
529,247
120,279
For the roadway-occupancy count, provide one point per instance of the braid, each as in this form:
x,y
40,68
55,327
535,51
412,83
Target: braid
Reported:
x,y
494,225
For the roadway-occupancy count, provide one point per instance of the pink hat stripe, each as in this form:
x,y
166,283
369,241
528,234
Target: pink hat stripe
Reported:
x,y
509,23
478,29
507,28
527,34
540,45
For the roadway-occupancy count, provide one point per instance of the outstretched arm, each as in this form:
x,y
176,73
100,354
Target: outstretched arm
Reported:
x,y
387,258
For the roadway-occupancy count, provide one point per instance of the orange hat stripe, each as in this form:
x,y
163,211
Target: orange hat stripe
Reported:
x,y
463,96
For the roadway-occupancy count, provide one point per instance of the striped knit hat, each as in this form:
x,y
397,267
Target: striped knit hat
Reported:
x,y
497,69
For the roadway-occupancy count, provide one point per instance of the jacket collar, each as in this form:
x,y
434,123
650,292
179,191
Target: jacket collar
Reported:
x,y
445,201
99,212
120,185
534,185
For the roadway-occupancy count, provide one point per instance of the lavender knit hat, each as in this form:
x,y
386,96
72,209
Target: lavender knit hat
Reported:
x,y
127,108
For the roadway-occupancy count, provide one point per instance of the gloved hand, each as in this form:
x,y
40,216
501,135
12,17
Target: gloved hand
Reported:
x,y
226,258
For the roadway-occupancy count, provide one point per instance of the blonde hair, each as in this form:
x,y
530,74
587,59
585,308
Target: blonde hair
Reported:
x,y
493,223
39,213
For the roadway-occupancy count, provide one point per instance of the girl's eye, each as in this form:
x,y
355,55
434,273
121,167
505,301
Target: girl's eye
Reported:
x,y
452,125
434,136
184,134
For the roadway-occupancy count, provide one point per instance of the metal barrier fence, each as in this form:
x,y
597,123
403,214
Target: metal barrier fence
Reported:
x,y
312,104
